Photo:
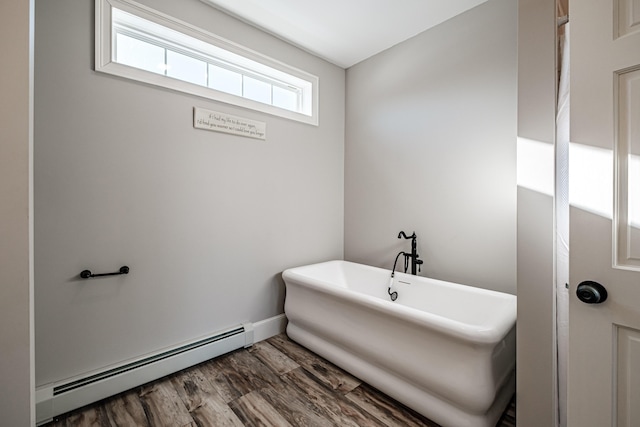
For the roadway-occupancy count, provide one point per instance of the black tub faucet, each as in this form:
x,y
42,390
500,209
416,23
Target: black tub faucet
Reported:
x,y
415,261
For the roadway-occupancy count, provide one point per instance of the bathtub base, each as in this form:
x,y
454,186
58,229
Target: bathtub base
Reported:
x,y
422,401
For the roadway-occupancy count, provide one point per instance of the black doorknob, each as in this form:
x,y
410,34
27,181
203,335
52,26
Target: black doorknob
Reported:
x,y
591,292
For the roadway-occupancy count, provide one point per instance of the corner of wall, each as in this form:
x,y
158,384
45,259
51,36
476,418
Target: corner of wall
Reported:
x,y
536,381
17,389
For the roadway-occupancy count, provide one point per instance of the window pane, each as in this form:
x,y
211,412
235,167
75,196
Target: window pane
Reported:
x,y
285,98
186,68
257,90
225,80
139,54
146,46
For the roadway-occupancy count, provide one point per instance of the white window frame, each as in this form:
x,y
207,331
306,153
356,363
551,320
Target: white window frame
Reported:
x,y
104,63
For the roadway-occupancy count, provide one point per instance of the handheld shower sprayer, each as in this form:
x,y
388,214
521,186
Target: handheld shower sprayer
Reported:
x,y
393,295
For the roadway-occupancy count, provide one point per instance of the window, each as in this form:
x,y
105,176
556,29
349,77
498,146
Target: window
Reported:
x,y
138,43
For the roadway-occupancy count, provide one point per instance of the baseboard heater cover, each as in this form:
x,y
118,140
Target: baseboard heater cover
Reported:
x,y
56,399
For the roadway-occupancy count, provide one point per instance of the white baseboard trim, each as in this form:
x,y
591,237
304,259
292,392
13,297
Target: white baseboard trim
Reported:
x,y
269,327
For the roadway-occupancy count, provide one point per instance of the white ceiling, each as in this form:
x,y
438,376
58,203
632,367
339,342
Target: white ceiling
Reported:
x,y
344,32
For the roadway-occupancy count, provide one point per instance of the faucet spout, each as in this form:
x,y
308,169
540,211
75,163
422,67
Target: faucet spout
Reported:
x,y
402,234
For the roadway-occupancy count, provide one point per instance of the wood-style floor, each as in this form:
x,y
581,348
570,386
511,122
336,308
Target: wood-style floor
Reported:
x,y
274,383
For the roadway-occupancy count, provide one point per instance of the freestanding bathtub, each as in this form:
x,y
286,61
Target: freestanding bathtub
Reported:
x,y
443,349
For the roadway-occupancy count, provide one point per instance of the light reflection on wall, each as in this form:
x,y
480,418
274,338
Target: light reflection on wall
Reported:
x,y
535,163
590,176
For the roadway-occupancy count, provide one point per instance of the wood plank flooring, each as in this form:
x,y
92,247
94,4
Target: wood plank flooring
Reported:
x,y
274,383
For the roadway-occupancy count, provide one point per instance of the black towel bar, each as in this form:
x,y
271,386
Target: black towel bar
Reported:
x,y
86,274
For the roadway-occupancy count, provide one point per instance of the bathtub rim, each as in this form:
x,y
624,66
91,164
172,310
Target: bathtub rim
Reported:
x,y
478,335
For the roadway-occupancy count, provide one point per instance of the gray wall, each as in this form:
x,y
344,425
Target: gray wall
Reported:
x,y
430,148
16,278
206,221
536,382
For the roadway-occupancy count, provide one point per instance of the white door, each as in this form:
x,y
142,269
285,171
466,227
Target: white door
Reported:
x,y
604,343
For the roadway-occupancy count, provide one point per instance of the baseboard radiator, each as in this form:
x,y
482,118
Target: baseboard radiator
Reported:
x,y
58,398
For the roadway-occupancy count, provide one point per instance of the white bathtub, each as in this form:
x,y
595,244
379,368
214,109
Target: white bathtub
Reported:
x,y
443,349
